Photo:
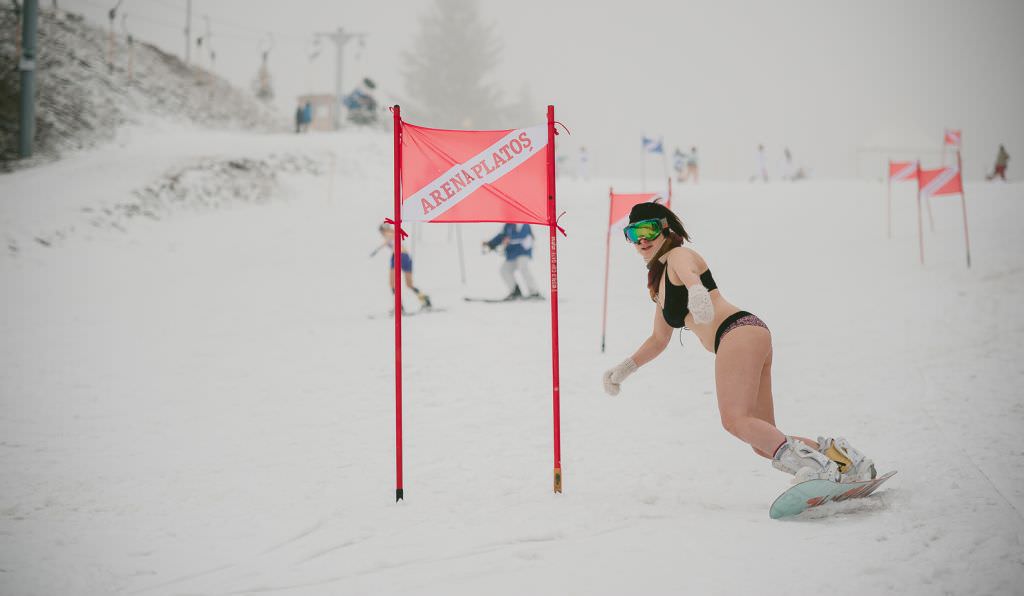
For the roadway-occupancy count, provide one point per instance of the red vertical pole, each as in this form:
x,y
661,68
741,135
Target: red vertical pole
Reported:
x,y
920,230
552,221
399,490
963,202
607,252
669,203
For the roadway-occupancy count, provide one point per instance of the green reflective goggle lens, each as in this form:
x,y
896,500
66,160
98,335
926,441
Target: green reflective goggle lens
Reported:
x,y
647,229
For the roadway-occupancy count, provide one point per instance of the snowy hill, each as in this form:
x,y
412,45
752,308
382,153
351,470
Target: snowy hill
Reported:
x,y
197,400
82,101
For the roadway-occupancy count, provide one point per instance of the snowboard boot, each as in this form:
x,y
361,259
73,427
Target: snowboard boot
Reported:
x,y
853,466
424,301
804,463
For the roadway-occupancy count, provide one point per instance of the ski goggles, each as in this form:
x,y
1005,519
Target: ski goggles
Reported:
x,y
645,229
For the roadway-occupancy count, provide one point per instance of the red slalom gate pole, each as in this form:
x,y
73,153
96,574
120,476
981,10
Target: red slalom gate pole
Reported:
x,y
963,202
607,252
552,227
399,490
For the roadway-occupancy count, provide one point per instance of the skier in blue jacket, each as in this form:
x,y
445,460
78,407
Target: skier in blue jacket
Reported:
x,y
518,242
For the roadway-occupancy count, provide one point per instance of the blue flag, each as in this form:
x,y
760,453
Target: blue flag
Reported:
x,y
653,145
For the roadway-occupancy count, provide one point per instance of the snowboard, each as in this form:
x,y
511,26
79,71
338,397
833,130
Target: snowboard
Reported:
x,y
813,493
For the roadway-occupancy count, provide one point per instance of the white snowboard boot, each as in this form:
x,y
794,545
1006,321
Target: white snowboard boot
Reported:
x,y
804,463
853,466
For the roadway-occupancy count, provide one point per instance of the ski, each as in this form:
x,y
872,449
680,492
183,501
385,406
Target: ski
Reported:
x,y
407,314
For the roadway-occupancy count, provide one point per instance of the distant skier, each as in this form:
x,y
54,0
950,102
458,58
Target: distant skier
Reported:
x,y
692,172
787,168
1002,158
518,242
760,165
679,165
583,166
299,114
387,231
561,163
685,295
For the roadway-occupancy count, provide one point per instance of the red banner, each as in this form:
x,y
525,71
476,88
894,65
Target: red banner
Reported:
x,y
952,138
902,170
941,181
451,176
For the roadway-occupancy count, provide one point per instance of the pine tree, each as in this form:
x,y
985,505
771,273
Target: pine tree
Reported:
x,y
446,72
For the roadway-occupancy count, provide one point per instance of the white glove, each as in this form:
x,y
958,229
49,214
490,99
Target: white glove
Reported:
x,y
614,376
699,303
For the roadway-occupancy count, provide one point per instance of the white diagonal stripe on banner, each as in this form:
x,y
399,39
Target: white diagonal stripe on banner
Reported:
x,y
938,182
486,167
909,171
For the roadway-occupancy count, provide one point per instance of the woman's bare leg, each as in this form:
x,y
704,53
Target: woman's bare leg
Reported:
x,y
765,408
740,366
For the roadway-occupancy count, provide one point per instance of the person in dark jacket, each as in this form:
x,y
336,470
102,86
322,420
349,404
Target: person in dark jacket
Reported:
x,y
1002,158
518,242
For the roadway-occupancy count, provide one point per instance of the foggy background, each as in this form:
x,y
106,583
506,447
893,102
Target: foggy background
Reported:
x,y
843,85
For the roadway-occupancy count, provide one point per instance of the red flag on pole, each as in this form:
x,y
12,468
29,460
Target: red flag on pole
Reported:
x,y
951,138
940,181
452,176
902,170
944,181
898,172
474,176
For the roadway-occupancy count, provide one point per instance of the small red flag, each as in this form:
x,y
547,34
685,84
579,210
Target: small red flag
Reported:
x,y
902,170
952,138
941,181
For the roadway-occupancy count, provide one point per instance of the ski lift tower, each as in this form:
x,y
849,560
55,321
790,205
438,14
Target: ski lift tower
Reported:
x,y
340,37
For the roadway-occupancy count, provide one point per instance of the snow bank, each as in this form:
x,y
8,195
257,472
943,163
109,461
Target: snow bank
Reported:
x,y
83,100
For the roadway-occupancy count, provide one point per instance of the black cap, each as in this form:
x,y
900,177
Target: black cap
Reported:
x,y
642,211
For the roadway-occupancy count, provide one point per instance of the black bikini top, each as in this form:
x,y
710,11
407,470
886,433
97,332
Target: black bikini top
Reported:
x,y
676,297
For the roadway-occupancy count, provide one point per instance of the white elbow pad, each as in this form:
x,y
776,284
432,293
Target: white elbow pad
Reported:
x,y
699,303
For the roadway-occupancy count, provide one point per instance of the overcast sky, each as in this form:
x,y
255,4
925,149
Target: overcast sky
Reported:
x,y
831,80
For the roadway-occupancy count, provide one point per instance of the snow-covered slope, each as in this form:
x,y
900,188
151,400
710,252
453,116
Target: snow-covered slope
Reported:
x,y
84,99
202,403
